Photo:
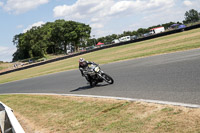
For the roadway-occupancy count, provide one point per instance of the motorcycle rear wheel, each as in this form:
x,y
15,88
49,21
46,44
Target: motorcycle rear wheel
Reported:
x,y
92,84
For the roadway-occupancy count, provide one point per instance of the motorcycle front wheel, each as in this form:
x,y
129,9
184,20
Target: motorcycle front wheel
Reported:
x,y
107,78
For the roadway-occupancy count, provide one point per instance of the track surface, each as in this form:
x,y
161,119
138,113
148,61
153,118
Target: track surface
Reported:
x,y
171,77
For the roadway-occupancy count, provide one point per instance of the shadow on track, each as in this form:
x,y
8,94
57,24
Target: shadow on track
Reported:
x,y
88,87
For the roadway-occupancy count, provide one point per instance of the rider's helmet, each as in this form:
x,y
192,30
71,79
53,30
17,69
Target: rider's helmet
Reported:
x,y
82,62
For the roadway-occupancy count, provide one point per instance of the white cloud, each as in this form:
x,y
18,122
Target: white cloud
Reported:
x,y
37,24
103,8
187,3
122,6
138,6
192,4
82,9
21,6
95,19
97,25
6,53
157,18
100,11
1,4
19,26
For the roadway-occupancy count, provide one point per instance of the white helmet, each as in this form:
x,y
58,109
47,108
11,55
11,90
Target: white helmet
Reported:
x,y
81,60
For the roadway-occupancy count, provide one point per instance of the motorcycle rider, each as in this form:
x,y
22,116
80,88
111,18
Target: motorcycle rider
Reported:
x,y
83,65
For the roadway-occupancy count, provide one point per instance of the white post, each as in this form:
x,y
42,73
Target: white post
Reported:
x,y
16,127
2,120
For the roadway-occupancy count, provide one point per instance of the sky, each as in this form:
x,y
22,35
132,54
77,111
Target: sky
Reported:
x,y
106,17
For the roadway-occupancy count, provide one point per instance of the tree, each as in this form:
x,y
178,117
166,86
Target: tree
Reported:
x,y
167,25
127,33
52,37
142,31
191,16
22,48
91,42
101,39
81,34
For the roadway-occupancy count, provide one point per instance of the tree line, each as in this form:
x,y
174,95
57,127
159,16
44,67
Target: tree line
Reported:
x,y
108,39
191,16
54,37
50,38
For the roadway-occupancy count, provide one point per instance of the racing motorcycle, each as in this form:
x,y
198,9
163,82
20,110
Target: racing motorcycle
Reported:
x,y
95,75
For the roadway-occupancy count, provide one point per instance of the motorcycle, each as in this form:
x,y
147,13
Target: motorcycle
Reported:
x,y
95,75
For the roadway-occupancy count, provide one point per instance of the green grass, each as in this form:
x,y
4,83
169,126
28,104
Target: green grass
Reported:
x,y
5,66
1,68
64,114
171,43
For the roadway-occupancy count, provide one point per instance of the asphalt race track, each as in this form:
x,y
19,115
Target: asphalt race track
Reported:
x,y
171,77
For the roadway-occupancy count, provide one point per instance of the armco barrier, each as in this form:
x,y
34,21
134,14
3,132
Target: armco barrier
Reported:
x,y
107,46
8,121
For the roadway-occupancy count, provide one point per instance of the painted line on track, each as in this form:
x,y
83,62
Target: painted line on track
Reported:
x,y
117,98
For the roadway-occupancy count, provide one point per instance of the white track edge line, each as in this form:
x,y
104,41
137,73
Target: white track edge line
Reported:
x,y
117,98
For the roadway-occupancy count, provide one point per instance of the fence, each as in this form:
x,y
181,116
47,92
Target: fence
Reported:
x,y
8,121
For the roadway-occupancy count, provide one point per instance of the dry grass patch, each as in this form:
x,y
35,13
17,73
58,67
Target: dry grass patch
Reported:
x,y
63,114
5,66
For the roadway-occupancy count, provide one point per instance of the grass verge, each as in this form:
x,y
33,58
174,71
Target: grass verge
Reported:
x,y
171,43
63,114
5,66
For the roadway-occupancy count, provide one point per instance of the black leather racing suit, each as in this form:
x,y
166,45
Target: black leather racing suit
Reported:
x,y
84,67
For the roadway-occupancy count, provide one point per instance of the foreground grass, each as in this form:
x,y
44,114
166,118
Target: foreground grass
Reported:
x,y
171,43
62,114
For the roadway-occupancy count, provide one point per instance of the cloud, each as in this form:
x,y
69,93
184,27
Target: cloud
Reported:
x,y
187,3
6,53
21,6
37,24
82,9
1,4
139,6
105,8
19,26
97,25
104,15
